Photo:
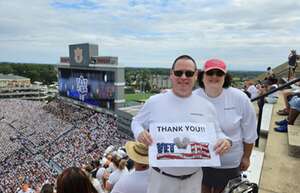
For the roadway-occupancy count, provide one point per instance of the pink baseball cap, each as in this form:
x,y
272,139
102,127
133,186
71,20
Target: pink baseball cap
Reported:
x,y
215,64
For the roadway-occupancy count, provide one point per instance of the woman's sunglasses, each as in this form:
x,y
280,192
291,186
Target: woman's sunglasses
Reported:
x,y
188,73
215,72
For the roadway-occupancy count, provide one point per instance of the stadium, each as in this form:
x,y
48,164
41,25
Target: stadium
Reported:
x,y
88,120
40,139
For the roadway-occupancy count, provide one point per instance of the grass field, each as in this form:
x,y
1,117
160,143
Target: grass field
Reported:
x,y
137,96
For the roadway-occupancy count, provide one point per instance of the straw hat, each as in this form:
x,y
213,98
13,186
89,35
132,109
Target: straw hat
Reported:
x,y
137,151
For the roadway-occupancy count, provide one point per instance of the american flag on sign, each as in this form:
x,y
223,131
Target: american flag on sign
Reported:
x,y
198,151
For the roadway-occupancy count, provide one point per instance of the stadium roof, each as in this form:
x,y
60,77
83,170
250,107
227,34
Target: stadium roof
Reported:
x,y
11,77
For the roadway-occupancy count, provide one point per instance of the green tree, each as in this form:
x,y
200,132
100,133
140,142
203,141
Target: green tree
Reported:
x,y
6,69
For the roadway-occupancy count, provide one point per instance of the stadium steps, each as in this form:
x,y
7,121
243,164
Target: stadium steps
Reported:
x,y
280,171
294,141
254,171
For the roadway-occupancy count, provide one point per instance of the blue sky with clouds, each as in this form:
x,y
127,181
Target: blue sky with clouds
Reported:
x,y
246,34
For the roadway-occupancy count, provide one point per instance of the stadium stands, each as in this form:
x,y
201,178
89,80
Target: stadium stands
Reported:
x,y
38,140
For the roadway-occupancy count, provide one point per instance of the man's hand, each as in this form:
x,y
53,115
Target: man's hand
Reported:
x,y
222,146
145,138
245,163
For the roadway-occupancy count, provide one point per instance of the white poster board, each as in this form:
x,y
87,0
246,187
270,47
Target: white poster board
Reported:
x,y
183,145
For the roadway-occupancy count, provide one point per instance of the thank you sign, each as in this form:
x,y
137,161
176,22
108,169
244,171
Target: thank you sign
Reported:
x,y
185,144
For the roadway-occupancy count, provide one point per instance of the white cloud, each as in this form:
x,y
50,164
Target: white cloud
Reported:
x,y
152,33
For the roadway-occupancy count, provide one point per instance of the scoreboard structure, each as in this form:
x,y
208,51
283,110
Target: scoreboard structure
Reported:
x,y
87,78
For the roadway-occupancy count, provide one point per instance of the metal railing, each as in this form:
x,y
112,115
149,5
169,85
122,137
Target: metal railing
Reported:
x,y
261,101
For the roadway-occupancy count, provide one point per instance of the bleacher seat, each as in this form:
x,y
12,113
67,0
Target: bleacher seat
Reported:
x,y
256,163
294,140
266,117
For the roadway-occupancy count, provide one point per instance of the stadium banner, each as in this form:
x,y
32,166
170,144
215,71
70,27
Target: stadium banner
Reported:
x,y
185,144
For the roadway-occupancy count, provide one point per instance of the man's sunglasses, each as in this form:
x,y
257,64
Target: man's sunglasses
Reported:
x,y
215,72
188,73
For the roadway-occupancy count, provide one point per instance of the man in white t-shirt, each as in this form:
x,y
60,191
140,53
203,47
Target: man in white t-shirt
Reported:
x,y
136,181
177,105
251,88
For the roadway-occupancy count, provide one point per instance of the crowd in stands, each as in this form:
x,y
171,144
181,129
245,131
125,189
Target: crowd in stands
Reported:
x,y
47,142
8,146
254,90
291,95
21,164
33,126
39,140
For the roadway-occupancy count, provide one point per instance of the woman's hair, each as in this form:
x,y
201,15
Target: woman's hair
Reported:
x,y
74,179
227,81
120,163
47,188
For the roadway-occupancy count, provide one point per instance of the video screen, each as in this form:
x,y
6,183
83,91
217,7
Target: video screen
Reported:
x,y
92,87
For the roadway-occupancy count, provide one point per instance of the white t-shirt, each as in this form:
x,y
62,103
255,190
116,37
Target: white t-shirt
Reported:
x,y
167,107
111,167
116,175
253,91
237,119
28,191
134,182
97,185
274,94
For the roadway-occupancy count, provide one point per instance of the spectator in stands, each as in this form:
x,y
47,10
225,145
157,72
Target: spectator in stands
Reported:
x,y
26,186
175,106
269,73
287,96
96,183
130,165
102,175
107,159
270,85
121,169
237,119
251,88
137,152
96,165
73,180
294,111
292,64
47,188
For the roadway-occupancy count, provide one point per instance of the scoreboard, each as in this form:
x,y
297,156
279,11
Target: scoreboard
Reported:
x,y
95,80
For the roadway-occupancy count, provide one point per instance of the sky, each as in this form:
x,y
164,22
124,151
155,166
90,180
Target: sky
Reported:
x,y
246,34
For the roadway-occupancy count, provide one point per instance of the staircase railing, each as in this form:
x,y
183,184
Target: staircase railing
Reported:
x,y
261,101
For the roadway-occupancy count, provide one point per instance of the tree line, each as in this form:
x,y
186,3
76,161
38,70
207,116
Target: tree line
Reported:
x,y
45,73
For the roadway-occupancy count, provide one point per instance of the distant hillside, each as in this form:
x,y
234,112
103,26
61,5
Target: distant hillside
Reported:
x,y
280,71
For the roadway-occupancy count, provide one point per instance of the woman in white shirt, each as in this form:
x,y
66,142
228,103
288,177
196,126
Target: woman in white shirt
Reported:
x,y
120,165
237,119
